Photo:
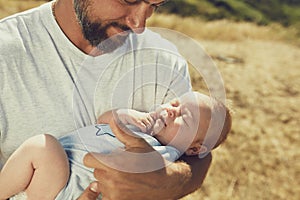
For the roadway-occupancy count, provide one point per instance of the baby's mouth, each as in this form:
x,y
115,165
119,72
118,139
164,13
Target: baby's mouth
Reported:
x,y
163,115
164,121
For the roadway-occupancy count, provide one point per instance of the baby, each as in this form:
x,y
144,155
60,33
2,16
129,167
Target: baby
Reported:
x,y
182,123
193,124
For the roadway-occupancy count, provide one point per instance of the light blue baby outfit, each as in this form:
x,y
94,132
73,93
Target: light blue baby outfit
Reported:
x,y
97,138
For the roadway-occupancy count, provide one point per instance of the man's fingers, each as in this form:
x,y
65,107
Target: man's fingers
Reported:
x,y
91,192
94,160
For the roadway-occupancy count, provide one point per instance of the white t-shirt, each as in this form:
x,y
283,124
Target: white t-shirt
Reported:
x,y
49,86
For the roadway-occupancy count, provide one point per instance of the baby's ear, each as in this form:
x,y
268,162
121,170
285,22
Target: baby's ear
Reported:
x,y
193,151
175,102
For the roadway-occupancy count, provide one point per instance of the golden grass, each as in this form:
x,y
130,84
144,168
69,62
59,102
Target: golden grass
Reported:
x,y
223,29
260,68
261,158
8,7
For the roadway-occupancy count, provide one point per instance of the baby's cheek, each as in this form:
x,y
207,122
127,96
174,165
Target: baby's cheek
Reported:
x,y
158,126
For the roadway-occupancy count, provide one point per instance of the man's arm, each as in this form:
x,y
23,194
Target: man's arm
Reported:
x,y
173,181
199,169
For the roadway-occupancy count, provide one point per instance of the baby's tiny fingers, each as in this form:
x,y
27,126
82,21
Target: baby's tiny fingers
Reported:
x,y
142,126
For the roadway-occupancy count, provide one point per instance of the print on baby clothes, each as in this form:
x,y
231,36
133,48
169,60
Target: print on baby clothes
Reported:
x,y
101,132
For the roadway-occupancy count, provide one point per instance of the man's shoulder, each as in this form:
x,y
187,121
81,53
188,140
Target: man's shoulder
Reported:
x,y
16,28
10,38
24,20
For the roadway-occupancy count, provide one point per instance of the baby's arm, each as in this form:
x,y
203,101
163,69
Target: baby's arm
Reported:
x,y
142,120
105,117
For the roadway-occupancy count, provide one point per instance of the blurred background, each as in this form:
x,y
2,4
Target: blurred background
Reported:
x,y
256,47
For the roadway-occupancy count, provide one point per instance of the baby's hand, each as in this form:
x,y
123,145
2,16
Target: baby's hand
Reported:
x,y
142,120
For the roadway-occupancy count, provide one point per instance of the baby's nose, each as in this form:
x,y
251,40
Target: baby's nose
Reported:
x,y
173,112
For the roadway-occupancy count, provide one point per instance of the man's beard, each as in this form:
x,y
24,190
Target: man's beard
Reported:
x,y
96,32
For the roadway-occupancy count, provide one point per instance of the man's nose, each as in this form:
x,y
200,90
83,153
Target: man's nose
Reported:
x,y
136,19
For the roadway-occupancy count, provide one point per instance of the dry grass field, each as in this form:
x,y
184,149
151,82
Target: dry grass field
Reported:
x,y
260,67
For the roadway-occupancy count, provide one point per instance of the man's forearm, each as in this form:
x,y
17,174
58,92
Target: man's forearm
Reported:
x,y
191,175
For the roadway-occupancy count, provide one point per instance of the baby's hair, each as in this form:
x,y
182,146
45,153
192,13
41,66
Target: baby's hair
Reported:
x,y
219,110
227,121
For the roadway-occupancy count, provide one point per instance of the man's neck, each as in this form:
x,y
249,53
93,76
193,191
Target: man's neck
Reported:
x,y
66,18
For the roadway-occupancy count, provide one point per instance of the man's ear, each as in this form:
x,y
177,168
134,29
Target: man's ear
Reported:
x,y
193,151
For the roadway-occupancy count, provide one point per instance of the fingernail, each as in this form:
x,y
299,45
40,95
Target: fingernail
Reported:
x,y
94,187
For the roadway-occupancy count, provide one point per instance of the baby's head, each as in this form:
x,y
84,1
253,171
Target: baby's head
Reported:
x,y
194,123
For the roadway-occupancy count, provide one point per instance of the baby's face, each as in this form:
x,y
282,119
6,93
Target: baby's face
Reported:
x,y
178,123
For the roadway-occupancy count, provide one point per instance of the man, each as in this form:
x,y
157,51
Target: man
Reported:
x,y
46,76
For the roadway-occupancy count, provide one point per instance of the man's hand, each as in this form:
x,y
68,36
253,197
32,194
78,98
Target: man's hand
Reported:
x,y
139,172
91,192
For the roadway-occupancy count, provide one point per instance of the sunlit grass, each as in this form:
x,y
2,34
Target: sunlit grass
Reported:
x,y
225,30
8,7
260,159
